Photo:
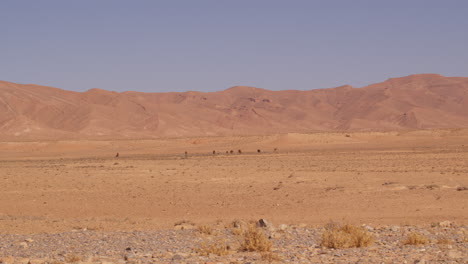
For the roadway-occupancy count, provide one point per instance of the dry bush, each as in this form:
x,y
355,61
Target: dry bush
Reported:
x,y
346,236
270,257
253,239
219,248
71,258
204,229
415,239
237,231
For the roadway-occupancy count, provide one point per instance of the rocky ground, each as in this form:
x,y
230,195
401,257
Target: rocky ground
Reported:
x,y
446,243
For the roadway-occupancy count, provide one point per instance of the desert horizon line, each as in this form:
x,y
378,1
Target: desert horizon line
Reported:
x,y
235,86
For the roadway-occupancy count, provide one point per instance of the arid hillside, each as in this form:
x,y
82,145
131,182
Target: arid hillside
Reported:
x,y
412,102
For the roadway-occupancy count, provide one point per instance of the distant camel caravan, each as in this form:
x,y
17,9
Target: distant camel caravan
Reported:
x,y
239,151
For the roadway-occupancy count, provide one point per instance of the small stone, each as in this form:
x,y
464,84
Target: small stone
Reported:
x,y
420,261
454,254
395,228
263,223
282,227
28,240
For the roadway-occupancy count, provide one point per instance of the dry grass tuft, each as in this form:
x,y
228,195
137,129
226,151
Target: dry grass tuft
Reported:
x,y
237,231
415,239
270,257
254,239
204,229
346,236
71,258
219,248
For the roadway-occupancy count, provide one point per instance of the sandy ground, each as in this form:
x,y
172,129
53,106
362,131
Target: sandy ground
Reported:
x,y
377,178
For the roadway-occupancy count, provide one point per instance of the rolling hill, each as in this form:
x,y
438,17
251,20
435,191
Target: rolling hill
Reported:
x,y
412,102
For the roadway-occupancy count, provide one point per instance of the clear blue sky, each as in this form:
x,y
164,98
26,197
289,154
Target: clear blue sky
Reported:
x,y
210,45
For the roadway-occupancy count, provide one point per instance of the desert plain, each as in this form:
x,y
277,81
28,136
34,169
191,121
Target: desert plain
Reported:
x,y
412,178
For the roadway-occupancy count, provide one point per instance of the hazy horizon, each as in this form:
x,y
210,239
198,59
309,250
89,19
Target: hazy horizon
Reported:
x,y
212,45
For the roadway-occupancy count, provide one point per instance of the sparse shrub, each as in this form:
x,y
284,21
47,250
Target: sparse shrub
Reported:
x,y
253,239
219,248
346,236
237,231
415,239
71,258
270,257
204,229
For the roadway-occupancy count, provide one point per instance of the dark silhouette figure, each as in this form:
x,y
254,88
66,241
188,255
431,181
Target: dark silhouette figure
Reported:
x,y
117,155
232,151
275,150
258,150
214,152
186,154
239,151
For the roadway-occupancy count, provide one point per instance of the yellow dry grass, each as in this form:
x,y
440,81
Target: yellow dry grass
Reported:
x,y
346,236
270,257
415,238
218,247
205,229
72,258
254,239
